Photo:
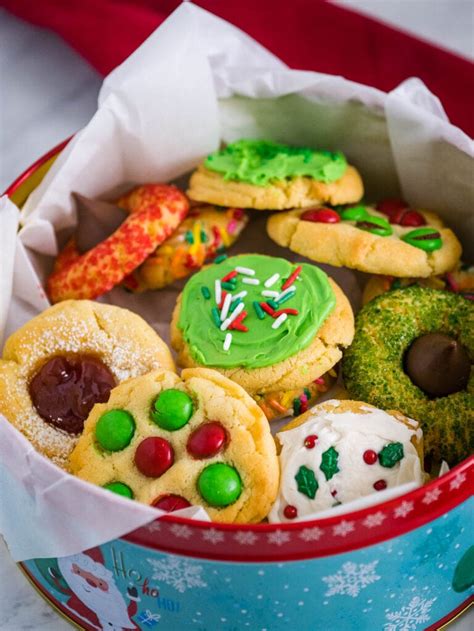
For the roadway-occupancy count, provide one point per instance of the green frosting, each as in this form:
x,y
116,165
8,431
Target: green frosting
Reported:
x,y
261,161
261,345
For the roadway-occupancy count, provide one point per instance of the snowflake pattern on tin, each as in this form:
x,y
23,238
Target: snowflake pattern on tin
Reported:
x,y
213,536
278,538
409,617
351,579
458,481
343,529
431,496
245,538
403,510
181,574
153,527
311,534
181,531
376,519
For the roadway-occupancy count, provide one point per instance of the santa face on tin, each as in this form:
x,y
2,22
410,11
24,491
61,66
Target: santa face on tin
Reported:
x,y
94,586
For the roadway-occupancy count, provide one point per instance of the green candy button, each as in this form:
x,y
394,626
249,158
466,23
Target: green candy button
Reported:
x,y
427,239
219,484
375,225
356,213
120,488
114,430
172,409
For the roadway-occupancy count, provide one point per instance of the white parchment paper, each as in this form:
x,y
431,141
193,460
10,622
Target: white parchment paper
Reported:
x,y
196,81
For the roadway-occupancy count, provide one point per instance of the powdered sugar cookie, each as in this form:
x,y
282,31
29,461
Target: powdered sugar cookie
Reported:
x,y
62,362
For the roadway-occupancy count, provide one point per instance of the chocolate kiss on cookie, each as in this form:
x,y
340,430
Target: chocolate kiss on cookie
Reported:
x,y
438,364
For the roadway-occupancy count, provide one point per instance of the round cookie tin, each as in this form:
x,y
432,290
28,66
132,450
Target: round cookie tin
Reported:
x,y
403,565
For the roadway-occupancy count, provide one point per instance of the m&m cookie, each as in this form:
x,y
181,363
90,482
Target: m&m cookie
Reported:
x,y
340,451
272,326
172,443
389,238
267,175
63,361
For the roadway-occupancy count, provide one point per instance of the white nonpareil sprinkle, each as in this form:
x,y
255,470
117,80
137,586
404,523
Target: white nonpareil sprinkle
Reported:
x,y
227,341
279,321
226,306
239,308
246,271
272,280
287,291
251,281
241,294
218,292
270,293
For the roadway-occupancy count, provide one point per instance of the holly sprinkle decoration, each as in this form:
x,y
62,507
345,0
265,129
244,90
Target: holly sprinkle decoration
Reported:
x,y
391,454
329,463
306,481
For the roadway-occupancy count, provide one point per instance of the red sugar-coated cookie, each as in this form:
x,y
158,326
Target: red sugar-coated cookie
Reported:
x,y
155,212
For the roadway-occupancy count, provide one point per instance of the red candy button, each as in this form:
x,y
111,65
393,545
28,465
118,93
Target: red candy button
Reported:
x,y
321,215
413,218
391,206
370,456
207,440
154,456
290,511
170,503
380,485
310,441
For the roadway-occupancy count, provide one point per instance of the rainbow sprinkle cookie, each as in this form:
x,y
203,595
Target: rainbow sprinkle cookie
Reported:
x,y
390,238
172,443
206,233
270,325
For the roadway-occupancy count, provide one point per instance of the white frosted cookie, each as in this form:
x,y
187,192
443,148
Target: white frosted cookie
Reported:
x,y
340,451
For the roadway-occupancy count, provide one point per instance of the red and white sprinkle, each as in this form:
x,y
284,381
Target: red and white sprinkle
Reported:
x,y
226,307
272,280
241,294
246,271
228,321
251,281
218,292
279,321
227,341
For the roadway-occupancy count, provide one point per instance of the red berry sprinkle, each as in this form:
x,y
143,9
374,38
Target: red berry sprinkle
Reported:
x,y
380,485
170,503
321,215
207,440
370,456
290,511
154,456
310,441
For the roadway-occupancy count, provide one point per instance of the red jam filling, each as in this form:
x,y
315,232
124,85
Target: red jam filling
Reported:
x,y
65,389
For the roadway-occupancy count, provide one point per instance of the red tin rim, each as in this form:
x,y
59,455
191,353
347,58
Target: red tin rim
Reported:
x,y
294,545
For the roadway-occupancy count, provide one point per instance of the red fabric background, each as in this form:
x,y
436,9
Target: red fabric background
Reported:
x,y
306,34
